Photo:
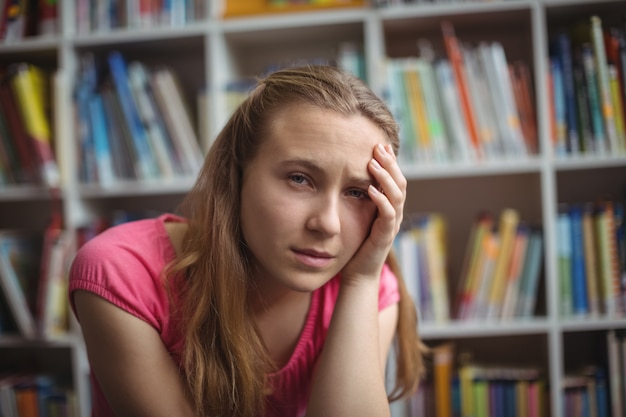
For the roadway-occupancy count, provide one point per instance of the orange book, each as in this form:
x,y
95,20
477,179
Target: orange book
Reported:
x,y
456,60
443,358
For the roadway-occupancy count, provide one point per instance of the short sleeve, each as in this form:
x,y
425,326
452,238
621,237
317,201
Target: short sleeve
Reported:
x,y
388,292
123,265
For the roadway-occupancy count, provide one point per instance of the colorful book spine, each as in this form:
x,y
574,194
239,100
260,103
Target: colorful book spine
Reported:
x,y
507,227
578,275
455,57
147,162
28,85
564,255
531,274
608,109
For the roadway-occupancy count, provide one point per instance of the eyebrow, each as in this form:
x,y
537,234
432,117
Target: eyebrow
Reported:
x,y
361,182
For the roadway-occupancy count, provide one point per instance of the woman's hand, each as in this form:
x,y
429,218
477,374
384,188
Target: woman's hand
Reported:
x,y
389,198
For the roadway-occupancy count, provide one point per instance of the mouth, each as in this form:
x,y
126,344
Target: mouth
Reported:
x,y
312,258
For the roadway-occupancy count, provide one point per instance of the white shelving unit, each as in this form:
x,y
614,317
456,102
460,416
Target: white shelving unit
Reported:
x,y
211,53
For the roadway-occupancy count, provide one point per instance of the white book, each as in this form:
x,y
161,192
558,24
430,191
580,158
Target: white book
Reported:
x,y
15,247
173,109
461,148
138,80
497,74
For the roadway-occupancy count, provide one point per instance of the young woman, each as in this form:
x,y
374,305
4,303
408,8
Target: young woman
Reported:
x,y
274,293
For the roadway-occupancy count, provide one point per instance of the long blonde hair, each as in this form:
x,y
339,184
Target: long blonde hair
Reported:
x,y
224,359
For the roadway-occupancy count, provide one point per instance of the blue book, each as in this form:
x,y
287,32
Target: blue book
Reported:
x,y
102,150
601,393
147,163
579,277
563,52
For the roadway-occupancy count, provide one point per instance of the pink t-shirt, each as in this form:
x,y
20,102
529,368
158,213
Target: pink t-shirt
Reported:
x,y
123,265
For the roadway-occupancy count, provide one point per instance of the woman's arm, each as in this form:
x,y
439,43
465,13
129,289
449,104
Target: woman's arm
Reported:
x,y
350,377
135,371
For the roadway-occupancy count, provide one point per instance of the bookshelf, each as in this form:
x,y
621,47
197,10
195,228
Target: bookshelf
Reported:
x,y
211,53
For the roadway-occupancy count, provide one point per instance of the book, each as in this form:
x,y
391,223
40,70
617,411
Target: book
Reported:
x,y
20,254
591,259
507,227
417,111
593,94
604,87
28,83
101,147
435,245
468,282
563,52
578,269
489,256
148,167
564,257
434,118
120,139
530,275
52,305
614,377
28,171
170,100
558,108
482,104
496,67
455,57
460,143
607,258
443,362
165,153
523,92
514,273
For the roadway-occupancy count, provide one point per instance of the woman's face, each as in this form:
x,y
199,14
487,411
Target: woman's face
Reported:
x,y
304,204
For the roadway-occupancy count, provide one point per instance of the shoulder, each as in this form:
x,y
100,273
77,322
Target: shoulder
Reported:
x,y
124,265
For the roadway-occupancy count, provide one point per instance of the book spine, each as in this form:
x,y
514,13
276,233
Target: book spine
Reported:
x,y
147,163
509,220
564,54
579,279
456,60
593,94
608,110
564,253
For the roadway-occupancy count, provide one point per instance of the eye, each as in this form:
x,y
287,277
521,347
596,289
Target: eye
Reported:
x,y
357,193
298,179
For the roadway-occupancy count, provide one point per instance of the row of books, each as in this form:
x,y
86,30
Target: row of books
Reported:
x,y
501,269
477,390
33,282
598,390
133,123
25,18
36,395
107,15
591,250
470,105
26,137
500,274
587,79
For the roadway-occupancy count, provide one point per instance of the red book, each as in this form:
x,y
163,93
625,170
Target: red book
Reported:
x,y
456,60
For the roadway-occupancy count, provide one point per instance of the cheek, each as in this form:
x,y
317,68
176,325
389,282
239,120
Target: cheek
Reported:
x,y
358,223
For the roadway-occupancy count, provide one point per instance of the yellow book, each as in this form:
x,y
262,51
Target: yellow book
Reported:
x,y
466,380
521,391
591,261
619,108
434,235
27,83
482,225
418,111
509,220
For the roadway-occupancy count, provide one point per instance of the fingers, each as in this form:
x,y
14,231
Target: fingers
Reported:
x,y
391,195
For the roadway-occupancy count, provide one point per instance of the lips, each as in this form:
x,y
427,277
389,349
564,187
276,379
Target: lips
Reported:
x,y
312,258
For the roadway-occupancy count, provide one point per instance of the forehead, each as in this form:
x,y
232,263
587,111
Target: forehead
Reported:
x,y
303,130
